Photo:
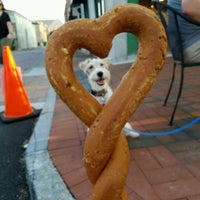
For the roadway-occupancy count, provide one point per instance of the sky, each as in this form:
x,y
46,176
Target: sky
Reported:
x,y
38,9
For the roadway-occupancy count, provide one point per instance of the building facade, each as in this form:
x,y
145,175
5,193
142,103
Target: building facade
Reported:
x,y
31,34
24,30
125,45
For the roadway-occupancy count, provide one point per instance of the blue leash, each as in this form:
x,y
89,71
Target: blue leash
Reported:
x,y
168,132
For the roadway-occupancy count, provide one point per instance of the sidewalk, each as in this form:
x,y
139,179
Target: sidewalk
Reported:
x,y
164,167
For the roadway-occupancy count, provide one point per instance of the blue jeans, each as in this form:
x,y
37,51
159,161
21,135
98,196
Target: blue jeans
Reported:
x,y
192,53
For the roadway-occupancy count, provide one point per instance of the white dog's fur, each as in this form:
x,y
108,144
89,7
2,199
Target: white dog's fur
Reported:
x,y
97,71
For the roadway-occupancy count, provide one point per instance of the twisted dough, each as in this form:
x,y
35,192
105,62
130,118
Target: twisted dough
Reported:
x,y
106,153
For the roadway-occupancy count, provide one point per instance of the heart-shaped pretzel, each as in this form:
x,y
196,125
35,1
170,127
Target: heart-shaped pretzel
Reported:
x,y
106,153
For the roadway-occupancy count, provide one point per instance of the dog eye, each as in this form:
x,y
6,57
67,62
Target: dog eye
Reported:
x,y
91,67
101,64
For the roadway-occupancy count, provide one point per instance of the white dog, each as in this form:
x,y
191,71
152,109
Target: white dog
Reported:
x,y
97,71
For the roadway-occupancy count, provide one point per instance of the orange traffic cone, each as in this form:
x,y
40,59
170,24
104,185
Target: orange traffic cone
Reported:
x,y
17,105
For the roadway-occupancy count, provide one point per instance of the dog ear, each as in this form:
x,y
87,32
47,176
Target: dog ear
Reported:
x,y
83,64
107,61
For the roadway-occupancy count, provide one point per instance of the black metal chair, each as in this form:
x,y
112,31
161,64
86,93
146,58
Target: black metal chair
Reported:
x,y
175,45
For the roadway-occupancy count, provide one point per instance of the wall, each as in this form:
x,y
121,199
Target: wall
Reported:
x,y
24,31
124,45
118,52
41,33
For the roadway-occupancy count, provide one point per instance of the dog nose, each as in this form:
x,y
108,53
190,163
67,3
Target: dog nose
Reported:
x,y
100,74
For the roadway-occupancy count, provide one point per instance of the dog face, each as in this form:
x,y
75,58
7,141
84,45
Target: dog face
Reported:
x,y
97,71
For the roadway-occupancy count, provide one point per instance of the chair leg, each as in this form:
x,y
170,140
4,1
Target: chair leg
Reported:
x,y
171,84
178,96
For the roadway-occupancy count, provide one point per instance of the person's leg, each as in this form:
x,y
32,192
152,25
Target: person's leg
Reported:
x,y
192,53
4,42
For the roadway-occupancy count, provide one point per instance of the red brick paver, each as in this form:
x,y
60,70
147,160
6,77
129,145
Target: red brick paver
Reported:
x,y
161,168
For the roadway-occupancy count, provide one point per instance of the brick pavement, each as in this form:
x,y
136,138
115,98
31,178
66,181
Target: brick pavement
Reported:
x,y
163,167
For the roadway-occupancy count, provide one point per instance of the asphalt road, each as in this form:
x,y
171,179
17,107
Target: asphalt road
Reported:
x,y
15,136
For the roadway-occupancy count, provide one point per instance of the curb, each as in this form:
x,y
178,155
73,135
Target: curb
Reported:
x,y
43,178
